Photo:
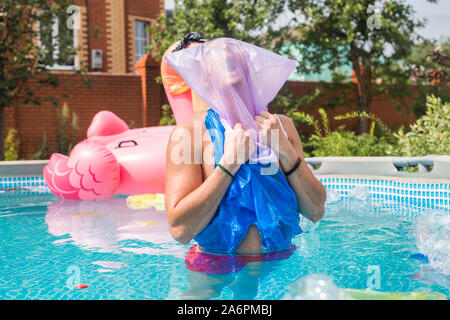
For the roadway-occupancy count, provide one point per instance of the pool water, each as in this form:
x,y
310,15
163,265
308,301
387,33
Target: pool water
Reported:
x,y
48,246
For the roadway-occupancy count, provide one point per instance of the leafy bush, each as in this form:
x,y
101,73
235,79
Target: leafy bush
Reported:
x,y
324,142
346,143
167,118
12,145
429,135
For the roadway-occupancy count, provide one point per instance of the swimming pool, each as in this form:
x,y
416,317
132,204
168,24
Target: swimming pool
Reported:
x,y
375,233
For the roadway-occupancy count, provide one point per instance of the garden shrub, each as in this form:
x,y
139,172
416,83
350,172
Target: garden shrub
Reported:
x,y
340,142
12,145
167,118
430,134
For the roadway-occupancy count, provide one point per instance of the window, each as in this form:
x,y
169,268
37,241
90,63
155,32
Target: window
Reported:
x,y
141,39
58,43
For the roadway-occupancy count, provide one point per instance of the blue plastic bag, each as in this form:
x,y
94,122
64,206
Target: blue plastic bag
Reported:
x,y
252,198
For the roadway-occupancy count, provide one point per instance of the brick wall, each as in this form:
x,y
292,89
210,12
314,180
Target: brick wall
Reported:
x,y
381,106
121,94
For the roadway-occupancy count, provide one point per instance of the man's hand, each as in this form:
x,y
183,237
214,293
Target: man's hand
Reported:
x,y
310,192
237,148
268,124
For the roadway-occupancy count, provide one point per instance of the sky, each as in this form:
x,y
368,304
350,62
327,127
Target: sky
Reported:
x,y
438,16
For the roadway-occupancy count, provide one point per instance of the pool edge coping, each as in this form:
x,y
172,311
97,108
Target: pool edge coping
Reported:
x,y
365,167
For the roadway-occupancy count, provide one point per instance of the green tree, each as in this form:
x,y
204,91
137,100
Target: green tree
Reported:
x,y
374,37
431,63
239,19
245,20
430,55
28,45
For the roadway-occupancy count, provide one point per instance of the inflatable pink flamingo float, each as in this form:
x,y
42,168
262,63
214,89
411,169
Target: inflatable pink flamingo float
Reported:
x,y
116,160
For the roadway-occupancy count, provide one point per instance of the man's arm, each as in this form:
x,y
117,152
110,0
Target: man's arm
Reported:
x,y
310,192
190,201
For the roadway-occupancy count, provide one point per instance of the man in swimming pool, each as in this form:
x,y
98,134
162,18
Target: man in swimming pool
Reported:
x,y
195,189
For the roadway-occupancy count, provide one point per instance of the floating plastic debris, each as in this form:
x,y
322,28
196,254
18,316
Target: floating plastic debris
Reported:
x,y
368,294
146,201
314,287
145,224
420,257
432,234
322,287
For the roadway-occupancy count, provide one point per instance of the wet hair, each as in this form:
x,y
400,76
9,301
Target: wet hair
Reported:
x,y
191,37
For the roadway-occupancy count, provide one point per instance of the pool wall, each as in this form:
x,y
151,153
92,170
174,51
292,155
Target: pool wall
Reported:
x,y
408,192
22,168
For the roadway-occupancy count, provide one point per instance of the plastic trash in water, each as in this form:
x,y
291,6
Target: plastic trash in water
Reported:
x,y
314,287
432,235
322,287
420,257
146,201
81,286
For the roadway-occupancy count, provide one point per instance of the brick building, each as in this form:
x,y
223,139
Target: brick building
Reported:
x,y
117,28
110,36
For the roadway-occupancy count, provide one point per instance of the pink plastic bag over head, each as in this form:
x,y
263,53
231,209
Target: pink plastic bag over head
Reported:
x,y
236,79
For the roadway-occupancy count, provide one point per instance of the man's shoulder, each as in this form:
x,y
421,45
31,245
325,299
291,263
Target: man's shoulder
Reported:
x,y
287,123
284,119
